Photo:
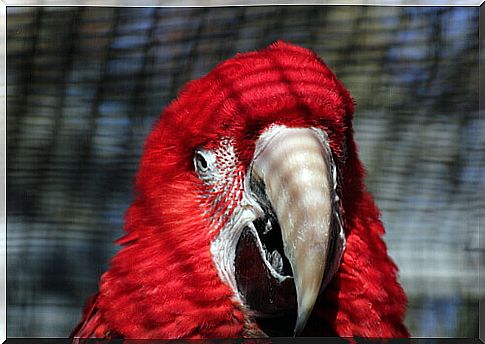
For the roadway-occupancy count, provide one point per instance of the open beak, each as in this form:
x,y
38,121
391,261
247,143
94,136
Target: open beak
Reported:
x,y
298,178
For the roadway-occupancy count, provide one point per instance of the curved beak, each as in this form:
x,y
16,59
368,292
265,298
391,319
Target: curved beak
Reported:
x,y
296,167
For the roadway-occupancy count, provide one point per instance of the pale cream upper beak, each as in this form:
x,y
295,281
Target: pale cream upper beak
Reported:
x,y
295,166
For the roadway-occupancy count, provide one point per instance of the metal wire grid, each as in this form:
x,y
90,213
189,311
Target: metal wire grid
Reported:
x,y
85,85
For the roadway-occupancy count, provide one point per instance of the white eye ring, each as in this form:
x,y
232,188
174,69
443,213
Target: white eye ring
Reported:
x,y
201,161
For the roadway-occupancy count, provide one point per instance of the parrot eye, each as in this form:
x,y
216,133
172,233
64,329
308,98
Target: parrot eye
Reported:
x,y
200,161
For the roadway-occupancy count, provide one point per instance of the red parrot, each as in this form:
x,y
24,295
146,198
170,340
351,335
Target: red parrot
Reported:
x,y
251,217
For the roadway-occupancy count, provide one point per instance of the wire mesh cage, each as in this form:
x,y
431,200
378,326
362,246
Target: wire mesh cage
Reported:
x,y
85,84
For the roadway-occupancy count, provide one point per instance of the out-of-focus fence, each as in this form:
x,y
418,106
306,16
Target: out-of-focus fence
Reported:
x,y
84,85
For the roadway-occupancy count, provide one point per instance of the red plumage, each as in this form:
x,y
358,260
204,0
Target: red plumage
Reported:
x,y
163,282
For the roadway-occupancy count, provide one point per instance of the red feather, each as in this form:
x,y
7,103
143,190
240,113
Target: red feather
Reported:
x,y
163,283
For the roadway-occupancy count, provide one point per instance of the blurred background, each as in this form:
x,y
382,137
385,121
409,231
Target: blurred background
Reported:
x,y
85,84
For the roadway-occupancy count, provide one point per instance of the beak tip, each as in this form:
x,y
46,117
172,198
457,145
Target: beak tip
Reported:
x,y
298,329
301,321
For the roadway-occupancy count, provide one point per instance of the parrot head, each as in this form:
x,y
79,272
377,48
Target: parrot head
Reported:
x,y
250,215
